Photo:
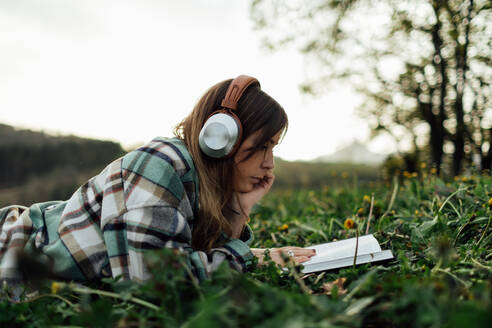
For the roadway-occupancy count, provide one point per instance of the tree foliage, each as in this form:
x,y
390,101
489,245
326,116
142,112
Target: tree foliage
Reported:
x,y
423,66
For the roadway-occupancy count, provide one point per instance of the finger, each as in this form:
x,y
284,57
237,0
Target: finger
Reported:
x,y
301,259
298,251
265,184
268,178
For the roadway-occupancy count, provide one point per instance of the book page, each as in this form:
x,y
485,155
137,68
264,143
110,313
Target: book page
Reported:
x,y
344,248
347,261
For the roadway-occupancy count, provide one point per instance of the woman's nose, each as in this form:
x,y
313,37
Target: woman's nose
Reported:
x,y
268,162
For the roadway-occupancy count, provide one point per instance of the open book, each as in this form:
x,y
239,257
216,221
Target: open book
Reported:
x,y
341,253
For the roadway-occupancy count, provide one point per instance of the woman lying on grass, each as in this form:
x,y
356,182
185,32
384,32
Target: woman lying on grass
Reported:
x,y
193,193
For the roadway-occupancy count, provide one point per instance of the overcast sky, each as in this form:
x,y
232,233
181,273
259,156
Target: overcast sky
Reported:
x,y
130,70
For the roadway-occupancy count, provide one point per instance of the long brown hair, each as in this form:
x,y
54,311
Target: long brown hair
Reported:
x,y
257,111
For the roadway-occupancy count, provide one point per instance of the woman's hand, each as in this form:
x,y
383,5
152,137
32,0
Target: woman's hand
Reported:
x,y
241,204
248,199
297,254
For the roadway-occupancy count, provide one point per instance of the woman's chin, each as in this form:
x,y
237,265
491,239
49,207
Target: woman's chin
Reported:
x,y
244,188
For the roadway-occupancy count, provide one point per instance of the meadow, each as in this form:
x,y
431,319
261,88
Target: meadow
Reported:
x,y
439,232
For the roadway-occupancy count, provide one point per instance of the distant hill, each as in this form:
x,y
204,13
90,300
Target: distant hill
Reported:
x,y
10,135
25,154
356,153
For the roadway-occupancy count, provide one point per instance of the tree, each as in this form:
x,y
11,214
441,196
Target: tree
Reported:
x,y
424,66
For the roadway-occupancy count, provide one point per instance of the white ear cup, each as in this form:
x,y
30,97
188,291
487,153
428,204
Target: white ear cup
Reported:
x,y
219,135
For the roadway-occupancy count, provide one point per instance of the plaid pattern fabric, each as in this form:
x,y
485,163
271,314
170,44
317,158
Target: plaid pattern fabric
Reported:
x,y
145,200
16,228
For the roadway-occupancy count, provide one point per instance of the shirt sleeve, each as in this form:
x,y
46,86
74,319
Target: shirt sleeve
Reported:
x,y
236,251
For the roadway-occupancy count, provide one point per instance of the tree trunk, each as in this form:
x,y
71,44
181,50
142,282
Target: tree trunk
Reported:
x,y
438,132
436,143
461,55
487,160
459,142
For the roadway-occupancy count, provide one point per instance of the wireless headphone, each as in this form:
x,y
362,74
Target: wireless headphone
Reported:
x,y
221,134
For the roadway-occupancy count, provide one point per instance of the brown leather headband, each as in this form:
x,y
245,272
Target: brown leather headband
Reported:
x,y
236,89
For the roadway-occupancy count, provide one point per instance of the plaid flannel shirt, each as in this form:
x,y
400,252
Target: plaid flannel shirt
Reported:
x,y
145,200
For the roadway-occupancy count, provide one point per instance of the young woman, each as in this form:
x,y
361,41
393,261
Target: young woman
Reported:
x,y
193,192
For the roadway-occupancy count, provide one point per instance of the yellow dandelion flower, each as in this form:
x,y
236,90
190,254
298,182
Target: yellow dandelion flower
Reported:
x,y
366,199
414,174
456,178
464,179
417,212
423,165
360,211
490,202
349,223
55,287
283,227
407,174
433,170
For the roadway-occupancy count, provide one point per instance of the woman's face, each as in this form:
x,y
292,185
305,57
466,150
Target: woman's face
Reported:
x,y
249,172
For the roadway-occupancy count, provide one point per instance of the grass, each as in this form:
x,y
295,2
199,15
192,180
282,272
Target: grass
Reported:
x,y
441,276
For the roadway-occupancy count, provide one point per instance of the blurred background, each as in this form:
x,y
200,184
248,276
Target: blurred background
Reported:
x,y
372,88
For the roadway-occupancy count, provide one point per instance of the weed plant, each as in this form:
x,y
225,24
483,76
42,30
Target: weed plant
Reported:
x,y
441,276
